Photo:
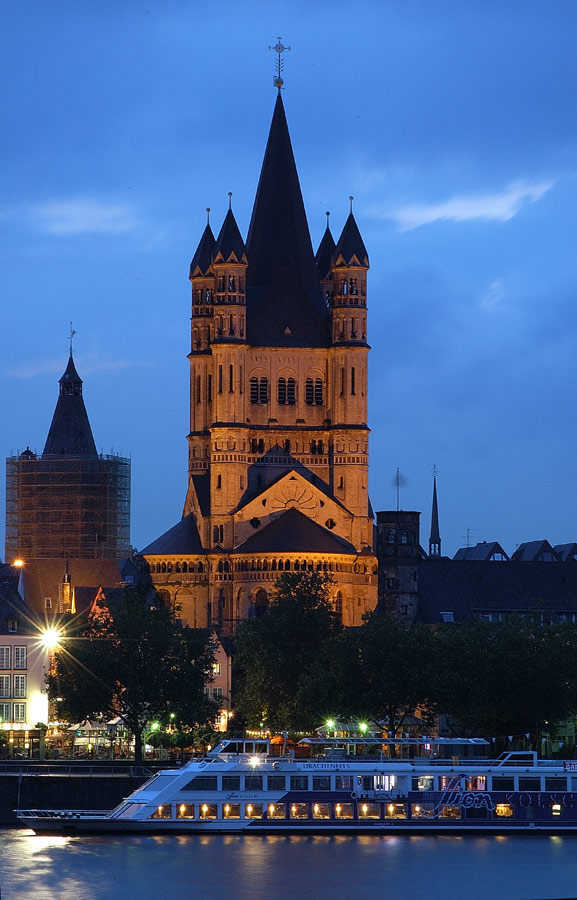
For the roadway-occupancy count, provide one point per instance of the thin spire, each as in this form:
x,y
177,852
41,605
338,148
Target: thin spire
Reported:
x,y
435,537
70,433
70,336
230,199
208,215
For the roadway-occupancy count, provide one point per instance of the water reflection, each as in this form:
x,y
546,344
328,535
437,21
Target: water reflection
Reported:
x,y
261,867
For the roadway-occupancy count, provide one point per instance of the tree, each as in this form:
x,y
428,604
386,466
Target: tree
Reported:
x,y
132,661
273,652
505,677
378,672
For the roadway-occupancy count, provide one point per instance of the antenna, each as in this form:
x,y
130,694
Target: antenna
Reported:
x,y
468,536
398,481
278,48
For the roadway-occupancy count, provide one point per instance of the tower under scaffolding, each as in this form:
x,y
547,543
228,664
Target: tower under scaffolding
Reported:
x,y
69,501
67,506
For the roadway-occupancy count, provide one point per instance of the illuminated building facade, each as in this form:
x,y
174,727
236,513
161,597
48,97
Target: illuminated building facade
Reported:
x,y
278,436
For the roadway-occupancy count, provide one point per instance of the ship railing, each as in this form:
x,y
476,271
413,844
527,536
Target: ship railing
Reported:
x,y
75,770
60,813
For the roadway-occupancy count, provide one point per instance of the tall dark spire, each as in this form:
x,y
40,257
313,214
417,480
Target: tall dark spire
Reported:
x,y
229,243
325,252
435,538
203,256
350,246
70,433
284,302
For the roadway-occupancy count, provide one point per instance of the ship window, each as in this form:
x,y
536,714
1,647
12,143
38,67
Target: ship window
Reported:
x,y
423,783
276,782
529,784
299,783
477,783
253,782
504,810
450,812
555,784
322,810
185,811
276,810
422,811
253,811
202,783
208,810
369,811
299,811
503,784
344,810
344,783
396,811
231,782
162,812
321,782
231,811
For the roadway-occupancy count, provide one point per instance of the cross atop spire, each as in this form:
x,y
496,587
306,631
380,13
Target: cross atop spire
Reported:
x,y
70,336
279,48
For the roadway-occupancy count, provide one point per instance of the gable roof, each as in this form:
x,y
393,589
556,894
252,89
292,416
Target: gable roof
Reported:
x,y
533,551
183,538
293,532
485,550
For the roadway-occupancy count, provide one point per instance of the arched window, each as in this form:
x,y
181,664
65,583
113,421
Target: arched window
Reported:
x,y
254,390
263,390
291,391
309,392
404,538
231,283
318,392
320,448
281,390
260,604
339,605
185,567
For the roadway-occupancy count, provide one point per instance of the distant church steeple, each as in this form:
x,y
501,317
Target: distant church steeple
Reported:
x,y
70,432
435,538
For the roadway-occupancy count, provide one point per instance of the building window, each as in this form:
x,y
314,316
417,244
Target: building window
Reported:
x,y
309,392
254,390
198,388
219,481
5,712
281,391
339,605
4,685
291,391
5,657
218,534
318,392
20,687
19,657
263,390
217,693
353,381
12,626
220,379
48,603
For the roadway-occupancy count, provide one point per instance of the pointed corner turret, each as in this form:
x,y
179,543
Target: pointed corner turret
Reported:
x,y
350,249
325,253
229,246
435,537
70,432
202,258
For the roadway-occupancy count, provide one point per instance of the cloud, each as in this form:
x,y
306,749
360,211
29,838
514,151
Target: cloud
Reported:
x,y
493,297
498,207
84,215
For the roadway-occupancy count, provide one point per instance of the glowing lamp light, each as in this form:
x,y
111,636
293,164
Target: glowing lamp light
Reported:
x,y
155,726
254,761
363,726
50,638
330,723
18,563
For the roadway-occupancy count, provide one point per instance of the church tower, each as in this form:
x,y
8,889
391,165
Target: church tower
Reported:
x,y
278,437
70,502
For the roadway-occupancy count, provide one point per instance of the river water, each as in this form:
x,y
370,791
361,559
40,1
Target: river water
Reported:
x,y
276,867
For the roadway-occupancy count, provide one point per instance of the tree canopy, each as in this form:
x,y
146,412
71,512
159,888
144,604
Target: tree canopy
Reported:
x,y
129,659
273,652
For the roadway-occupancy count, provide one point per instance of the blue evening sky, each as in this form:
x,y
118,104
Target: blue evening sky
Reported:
x,y
452,122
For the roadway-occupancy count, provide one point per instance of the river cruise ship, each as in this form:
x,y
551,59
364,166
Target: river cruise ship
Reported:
x,y
349,785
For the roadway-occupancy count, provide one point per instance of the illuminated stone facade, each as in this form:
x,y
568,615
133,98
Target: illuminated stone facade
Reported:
x,y
278,439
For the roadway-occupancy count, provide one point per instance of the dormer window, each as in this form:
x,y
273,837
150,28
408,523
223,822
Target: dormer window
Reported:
x,y
12,625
